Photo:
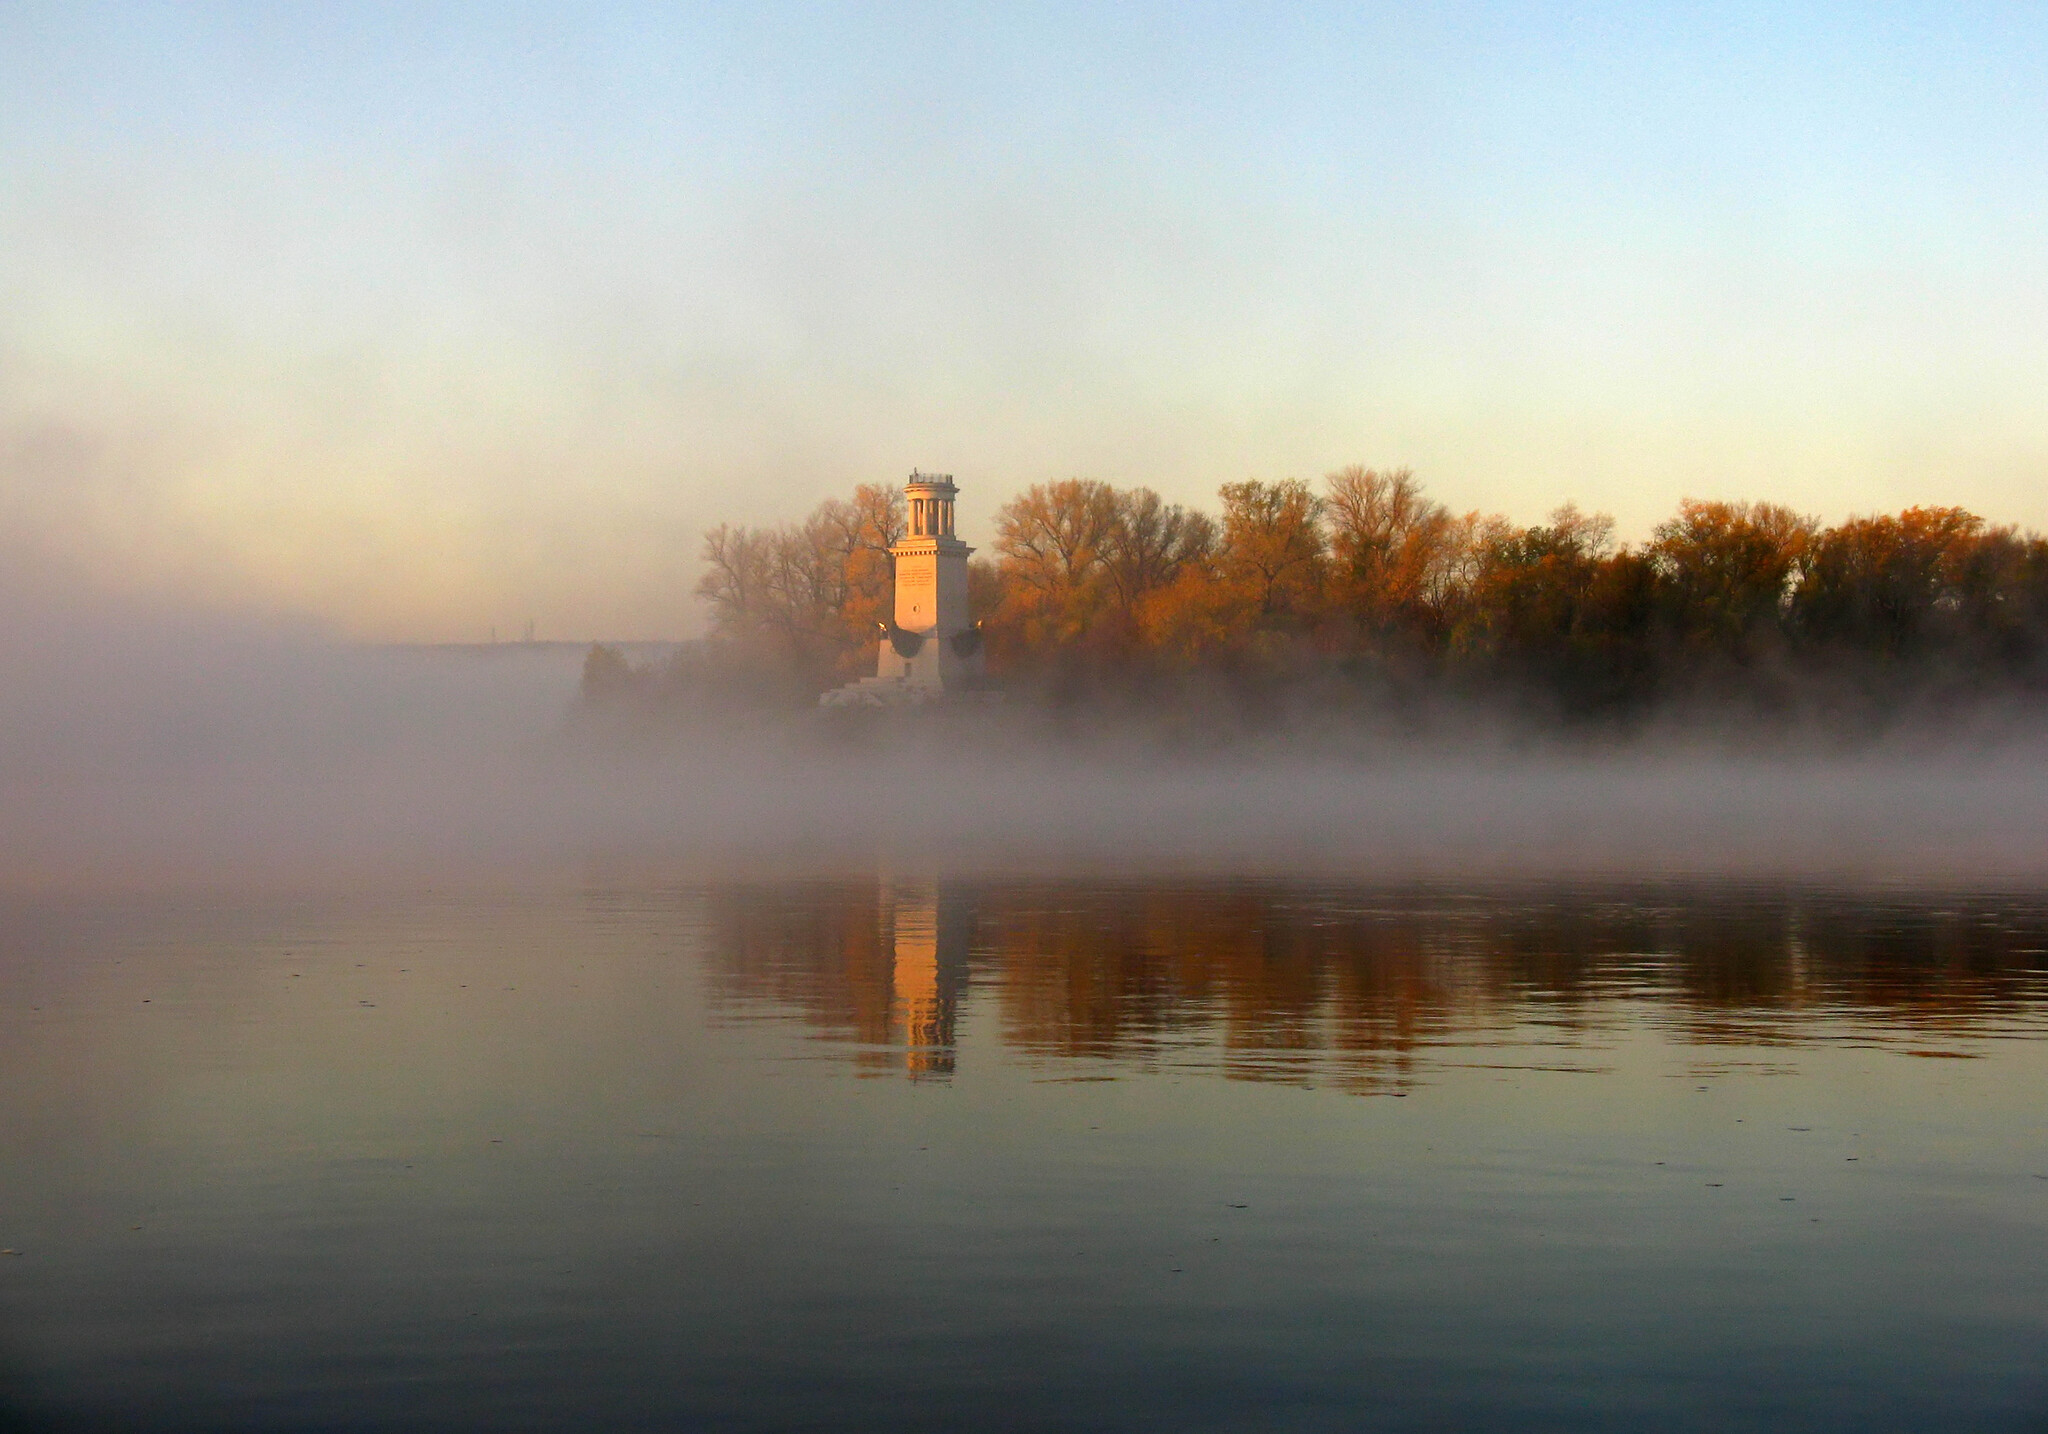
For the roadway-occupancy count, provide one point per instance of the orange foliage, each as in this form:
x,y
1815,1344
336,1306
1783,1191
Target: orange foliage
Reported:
x,y
1085,577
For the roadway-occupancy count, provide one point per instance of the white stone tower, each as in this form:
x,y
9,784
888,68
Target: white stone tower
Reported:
x,y
930,643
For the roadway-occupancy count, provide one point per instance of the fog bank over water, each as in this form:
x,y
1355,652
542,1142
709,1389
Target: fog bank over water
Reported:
x,y
179,751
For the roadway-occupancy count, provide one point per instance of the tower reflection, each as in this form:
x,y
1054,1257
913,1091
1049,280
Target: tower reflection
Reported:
x,y
882,966
1355,987
931,927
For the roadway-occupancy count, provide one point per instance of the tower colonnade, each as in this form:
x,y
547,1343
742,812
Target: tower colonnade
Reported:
x,y
931,517
930,504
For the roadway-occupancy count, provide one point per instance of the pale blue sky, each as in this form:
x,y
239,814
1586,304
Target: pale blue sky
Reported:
x,y
419,319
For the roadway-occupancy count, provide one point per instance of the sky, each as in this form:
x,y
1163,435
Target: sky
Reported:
x,y
416,321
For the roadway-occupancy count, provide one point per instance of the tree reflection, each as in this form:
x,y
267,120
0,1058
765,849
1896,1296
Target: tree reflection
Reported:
x,y
881,968
1265,981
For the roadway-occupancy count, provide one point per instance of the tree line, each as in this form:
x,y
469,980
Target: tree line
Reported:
x,y
1368,579
1099,973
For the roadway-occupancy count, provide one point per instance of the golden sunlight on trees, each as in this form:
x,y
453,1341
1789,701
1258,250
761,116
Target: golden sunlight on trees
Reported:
x,y
1150,543
1080,568
1728,570
1555,605
806,594
1398,562
1368,579
1879,583
1049,547
1272,552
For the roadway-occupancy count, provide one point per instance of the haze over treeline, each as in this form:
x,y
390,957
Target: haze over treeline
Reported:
x,y
1365,589
173,748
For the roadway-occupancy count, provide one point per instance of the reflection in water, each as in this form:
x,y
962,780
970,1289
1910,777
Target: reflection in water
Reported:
x,y
881,968
929,930
1309,985
568,1160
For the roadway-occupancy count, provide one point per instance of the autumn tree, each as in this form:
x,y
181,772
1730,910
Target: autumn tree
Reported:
x,y
1148,543
1876,584
735,579
1726,572
1999,617
1089,581
1612,660
1194,620
1556,605
1398,562
1272,550
863,531
1530,581
806,594
1049,546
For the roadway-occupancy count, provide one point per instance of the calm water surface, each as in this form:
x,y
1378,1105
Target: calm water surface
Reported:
x,y
920,1154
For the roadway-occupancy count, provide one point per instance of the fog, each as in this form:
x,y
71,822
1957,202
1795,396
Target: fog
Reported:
x,y
176,748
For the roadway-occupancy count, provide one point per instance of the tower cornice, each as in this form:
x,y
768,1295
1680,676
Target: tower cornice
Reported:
x,y
930,543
